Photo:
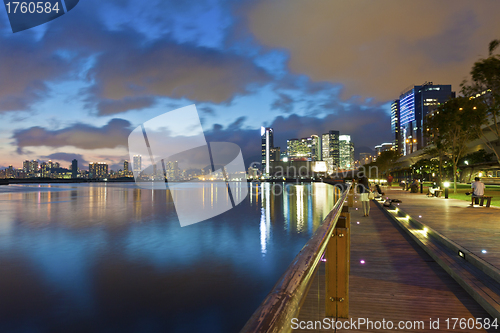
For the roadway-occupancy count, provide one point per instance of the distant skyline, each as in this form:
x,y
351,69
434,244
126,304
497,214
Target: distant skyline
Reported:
x,y
75,87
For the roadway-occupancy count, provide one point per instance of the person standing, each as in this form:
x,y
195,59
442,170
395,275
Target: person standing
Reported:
x,y
477,189
363,189
389,180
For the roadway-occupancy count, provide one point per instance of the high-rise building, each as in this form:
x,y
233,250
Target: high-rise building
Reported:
x,y
346,150
74,169
299,149
98,170
414,106
30,168
275,154
125,166
33,167
137,163
26,167
172,170
330,147
316,148
395,115
266,135
383,147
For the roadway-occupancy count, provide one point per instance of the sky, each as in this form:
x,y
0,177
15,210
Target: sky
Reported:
x,y
77,86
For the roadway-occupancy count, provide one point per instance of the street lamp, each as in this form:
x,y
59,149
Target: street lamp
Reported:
x,y
446,186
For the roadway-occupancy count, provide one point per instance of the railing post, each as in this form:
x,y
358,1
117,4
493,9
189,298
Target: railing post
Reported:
x,y
337,268
350,197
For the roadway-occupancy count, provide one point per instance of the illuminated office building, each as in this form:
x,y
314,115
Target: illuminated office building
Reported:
x,y
266,134
330,147
316,152
137,163
26,167
346,151
414,106
299,149
98,170
125,166
395,115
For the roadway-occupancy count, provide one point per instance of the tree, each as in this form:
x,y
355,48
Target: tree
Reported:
x,y
425,166
453,125
485,88
386,160
480,156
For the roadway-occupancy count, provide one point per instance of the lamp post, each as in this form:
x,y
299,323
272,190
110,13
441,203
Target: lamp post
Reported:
x,y
446,186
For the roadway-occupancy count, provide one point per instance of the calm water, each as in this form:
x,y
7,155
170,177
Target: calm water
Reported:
x,y
114,258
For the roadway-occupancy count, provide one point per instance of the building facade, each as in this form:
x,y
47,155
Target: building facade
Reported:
x,y
74,169
330,148
267,138
395,115
98,170
414,106
137,164
275,154
346,151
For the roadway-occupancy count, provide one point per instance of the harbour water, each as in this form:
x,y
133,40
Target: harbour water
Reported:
x,y
110,257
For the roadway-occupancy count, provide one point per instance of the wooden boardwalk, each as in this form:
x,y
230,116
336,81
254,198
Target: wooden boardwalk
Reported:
x,y
397,282
475,228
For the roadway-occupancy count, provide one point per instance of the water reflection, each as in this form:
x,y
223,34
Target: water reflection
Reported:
x,y
113,257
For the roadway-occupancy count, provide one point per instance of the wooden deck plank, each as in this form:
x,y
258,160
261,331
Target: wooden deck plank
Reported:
x,y
398,282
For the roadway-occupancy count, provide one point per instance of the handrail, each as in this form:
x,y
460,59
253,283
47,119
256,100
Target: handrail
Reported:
x,y
281,304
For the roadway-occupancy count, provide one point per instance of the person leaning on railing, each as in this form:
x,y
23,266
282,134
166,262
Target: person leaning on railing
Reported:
x,y
477,190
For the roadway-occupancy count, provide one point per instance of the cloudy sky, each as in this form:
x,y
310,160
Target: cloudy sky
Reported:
x,y
77,86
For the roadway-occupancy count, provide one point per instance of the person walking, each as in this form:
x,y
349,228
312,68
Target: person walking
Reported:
x,y
363,189
477,190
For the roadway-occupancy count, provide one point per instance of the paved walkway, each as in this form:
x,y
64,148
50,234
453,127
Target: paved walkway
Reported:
x,y
475,228
397,282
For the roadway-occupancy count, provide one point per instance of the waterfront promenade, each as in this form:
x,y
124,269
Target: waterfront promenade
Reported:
x,y
475,228
398,280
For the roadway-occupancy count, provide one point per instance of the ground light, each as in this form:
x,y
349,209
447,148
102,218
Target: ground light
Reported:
x,y
446,186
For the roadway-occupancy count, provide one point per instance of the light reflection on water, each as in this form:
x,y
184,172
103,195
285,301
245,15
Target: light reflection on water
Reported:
x,y
112,257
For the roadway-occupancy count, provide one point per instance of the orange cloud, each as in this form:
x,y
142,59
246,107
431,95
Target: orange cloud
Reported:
x,y
378,48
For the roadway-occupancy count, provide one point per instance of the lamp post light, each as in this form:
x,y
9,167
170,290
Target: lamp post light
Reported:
x,y
446,186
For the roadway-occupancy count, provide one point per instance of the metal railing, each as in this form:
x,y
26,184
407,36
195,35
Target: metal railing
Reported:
x,y
284,301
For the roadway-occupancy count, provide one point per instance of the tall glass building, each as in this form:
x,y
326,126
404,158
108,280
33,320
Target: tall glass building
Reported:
x,y
137,163
330,148
414,107
395,115
346,148
266,135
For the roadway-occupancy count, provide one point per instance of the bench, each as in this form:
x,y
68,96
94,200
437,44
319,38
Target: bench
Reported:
x,y
481,200
434,193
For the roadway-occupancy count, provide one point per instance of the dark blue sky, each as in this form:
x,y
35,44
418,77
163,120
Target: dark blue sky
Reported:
x,y
77,86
